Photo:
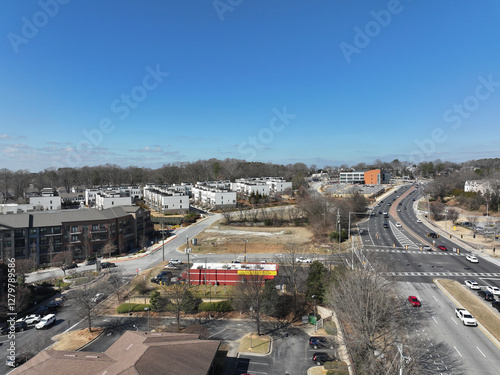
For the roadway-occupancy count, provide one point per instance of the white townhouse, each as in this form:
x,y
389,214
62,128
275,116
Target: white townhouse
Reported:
x,y
166,199
215,194
262,185
48,201
111,198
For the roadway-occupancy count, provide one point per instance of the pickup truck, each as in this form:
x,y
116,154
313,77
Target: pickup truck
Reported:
x,y
466,317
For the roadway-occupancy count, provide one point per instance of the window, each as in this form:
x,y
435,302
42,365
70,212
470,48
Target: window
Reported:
x,y
74,229
74,238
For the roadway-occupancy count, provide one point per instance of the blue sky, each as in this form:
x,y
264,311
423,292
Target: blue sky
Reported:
x,y
321,82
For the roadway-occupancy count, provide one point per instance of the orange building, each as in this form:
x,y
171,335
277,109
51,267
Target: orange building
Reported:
x,y
374,177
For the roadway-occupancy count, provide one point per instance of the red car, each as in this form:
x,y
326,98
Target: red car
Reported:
x,y
441,247
414,301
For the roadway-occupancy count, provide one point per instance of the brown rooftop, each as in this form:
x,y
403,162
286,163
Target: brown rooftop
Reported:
x,y
135,353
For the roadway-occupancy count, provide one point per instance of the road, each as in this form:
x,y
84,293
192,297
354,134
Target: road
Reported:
x,y
448,346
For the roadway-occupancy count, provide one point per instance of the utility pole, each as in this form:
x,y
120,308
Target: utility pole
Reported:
x,y
340,229
189,267
163,240
245,258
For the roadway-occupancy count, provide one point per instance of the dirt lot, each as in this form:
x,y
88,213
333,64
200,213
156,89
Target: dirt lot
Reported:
x,y
222,239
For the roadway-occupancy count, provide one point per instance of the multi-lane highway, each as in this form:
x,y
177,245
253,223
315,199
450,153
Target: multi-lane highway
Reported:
x,y
399,250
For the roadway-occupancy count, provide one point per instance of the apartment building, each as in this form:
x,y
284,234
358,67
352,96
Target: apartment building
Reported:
x,y
167,199
48,199
261,185
216,194
133,192
110,198
42,235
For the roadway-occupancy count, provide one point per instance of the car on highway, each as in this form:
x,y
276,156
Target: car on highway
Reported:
x,y
432,235
398,224
317,342
471,284
493,289
442,247
414,301
471,258
70,266
385,213
18,326
90,262
303,260
386,224
30,319
496,305
321,357
427,248
486,295
419,221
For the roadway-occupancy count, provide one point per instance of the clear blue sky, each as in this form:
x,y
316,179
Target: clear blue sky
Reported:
x,y
151,82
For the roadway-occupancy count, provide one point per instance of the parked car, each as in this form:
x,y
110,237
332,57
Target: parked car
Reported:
x,y
53,305
42,310
30,319
488,296
496,305
164,276
442,247
317,342
18,326
98,298
472,284
46,321
108,265
175,261
414,301
471,258
321,357
493,289
90,262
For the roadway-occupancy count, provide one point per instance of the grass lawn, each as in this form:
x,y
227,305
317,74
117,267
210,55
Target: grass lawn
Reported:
x,y
253,343
73,340
483,314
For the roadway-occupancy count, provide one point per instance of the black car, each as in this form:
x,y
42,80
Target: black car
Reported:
x,y
70,266
432,235
488,296
320,358
496,305
317,342
164,276
380,212
19,326
42,310
54,305
108,265
90,262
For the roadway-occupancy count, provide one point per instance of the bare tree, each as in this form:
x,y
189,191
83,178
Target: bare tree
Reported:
x,y
179,296
293,272
249,296
84,302
109,248
63,260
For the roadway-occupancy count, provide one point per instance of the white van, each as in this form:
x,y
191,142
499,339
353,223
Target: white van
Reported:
x,y
46,321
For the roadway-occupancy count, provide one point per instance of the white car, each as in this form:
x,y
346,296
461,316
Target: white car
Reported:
x,y
419,221
303,260
471,258
427,248
98,298
46,321
398,224
175,261
472,284
30,319
493,289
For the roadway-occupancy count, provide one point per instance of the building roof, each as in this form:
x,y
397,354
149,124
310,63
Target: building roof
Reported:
x,y
134,353
56,218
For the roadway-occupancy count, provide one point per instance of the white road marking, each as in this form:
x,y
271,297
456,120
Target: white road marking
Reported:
x,y
458,351
480,351
435,320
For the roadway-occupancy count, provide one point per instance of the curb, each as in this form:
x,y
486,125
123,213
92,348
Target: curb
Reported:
x,y
91,341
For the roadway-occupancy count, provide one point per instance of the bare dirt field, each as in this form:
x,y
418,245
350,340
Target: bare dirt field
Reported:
x,y
223,239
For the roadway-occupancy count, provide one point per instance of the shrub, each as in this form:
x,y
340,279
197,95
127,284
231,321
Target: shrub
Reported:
x,y
124,307
336,368
330,328
221,306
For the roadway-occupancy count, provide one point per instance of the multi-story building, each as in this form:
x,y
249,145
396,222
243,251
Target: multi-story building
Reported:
x,y
42,235
372,177
166,199
111,198
481,186
215,194
48,200
133,192
261,185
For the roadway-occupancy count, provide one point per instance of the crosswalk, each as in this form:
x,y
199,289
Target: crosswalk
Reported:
x,y
421,252
433,274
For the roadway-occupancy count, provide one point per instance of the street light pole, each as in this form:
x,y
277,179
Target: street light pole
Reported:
x,y
245,258
163,240
189,267
314,312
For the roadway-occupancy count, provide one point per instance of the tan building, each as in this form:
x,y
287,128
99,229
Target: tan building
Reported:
x,y
135,353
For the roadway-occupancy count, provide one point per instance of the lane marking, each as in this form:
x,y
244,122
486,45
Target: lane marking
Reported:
x,y
457,351
480,351
435,320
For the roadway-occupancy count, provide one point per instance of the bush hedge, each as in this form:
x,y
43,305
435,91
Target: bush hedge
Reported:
x,y
330,328
221,306
124,307
336,368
